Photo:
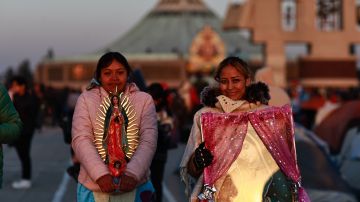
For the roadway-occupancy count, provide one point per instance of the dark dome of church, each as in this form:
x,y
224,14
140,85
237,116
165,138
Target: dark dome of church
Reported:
x,y
169,39
170,28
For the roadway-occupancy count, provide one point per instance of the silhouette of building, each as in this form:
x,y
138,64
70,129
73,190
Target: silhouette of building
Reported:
x,y
325,31
175,39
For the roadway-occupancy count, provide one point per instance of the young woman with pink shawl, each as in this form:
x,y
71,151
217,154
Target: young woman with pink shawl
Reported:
x,y
240,149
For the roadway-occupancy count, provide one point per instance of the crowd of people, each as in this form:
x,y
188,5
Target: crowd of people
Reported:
x,y
238,131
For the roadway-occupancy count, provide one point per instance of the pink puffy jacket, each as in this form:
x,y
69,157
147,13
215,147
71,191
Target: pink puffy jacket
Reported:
x,y
92,167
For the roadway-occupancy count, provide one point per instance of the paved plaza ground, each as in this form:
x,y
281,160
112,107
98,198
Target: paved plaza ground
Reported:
x,y
50,157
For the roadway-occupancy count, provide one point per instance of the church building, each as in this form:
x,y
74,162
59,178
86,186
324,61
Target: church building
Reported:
x,y
176,39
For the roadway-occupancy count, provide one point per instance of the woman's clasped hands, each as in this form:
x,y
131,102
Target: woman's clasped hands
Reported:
x,y
126,183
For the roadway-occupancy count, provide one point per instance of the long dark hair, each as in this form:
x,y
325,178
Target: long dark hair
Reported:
x,y
107,59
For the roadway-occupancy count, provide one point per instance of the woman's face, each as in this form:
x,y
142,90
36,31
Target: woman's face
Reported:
x,y
115,100
115,75
232,83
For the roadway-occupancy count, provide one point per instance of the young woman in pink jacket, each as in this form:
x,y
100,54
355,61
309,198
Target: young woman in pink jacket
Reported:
x,y
115,159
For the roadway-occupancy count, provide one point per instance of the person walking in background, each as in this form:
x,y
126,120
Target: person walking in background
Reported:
x,y
102,131
238,145
165,129
66,126
26,104
10,124
39,91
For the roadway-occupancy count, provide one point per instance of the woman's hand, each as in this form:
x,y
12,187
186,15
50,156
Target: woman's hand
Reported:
x,y
203,157
116,112
105,183
127,183
200,159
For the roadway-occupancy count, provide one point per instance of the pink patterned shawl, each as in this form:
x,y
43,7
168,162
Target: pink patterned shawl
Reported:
x,y
274,126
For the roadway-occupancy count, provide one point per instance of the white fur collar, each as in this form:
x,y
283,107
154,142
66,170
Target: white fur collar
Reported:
x,y
228,105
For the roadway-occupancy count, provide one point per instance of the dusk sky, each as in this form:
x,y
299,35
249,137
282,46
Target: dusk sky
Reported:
x,y
29,28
